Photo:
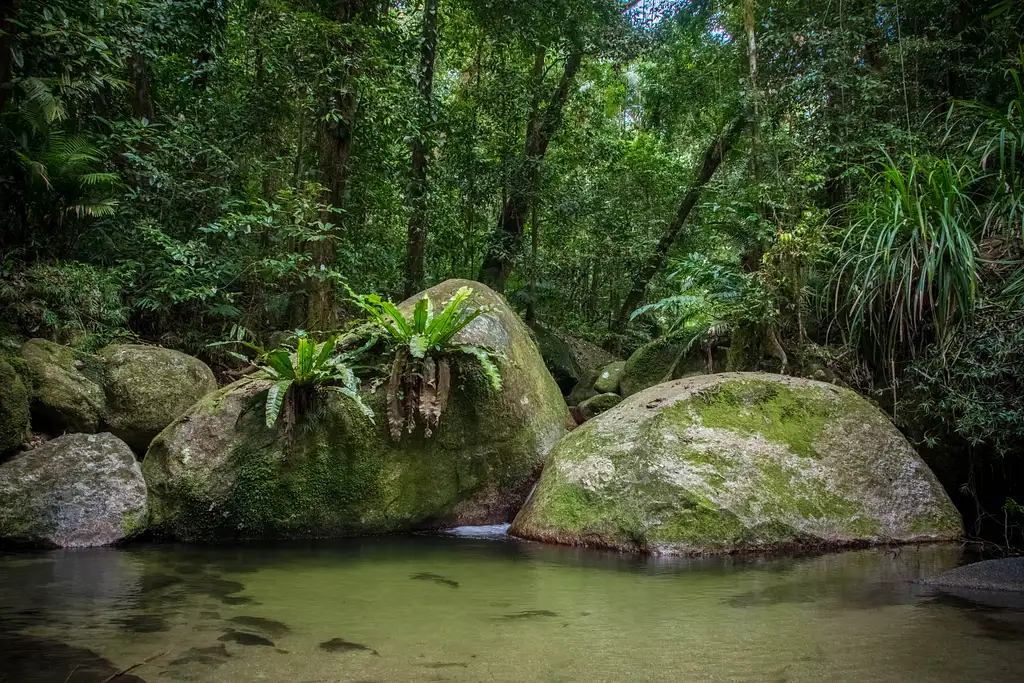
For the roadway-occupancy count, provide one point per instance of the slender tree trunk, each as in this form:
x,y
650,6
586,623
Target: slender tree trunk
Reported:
x,y
142,93
753,94
542,125
8,13
713,157
418,186
531,305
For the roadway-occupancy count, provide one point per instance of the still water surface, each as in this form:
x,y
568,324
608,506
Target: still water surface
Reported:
x,y
491,609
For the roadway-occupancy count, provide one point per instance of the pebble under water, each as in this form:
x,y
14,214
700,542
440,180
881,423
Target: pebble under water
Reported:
x,y
457,608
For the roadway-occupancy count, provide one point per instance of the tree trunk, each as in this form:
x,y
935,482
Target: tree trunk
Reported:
x,y
542,125
531,304
335,150
142,93
713,157
418,186
8,12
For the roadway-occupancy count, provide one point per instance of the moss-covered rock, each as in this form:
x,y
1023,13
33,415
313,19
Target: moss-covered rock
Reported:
x,y
609,376
14,408
596,405
570,359
67,394
147,387
665,359
76,491
219,472
737,461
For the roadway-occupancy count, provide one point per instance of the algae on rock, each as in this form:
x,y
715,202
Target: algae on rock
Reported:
x,y
147,387
737,461
67,391
219,472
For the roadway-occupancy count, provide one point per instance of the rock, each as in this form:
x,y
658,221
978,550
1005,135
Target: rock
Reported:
x,y
14,408
663,360
737,461
583,390
76,491
147,387
68,388
608,378
596,405
219,472
1006,574
570,359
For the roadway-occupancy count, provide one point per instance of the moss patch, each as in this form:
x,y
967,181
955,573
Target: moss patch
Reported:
x,y
14,408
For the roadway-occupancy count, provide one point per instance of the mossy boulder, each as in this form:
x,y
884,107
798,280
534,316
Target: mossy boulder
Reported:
x,y
147,387
67,394
570,359
609,377
596,405
737,461
14,408
663,360
219,472
76,491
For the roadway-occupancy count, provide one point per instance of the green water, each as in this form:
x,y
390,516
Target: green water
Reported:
x,y
466,609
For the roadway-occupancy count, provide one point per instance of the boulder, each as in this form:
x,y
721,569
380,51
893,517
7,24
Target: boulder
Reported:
x,y
147,387
76,491
608,378
583,389
570,359
737,461
596,405
219,472
665,359
14,408
67,391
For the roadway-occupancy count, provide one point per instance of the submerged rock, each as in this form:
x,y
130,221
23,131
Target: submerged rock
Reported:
x,y
219,472
148,387
342,645
68,388
243,638
1006,574
737,461
14,409
78,490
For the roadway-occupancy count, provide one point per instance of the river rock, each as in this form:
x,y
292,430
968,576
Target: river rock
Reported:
x,y
737,461
1005,574
608,378
219,472
665,359
67,393
598,404
76,491
570,359
147,387
14,408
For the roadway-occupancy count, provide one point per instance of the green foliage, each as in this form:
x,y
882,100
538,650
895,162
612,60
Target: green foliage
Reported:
x,y
298,374
423,344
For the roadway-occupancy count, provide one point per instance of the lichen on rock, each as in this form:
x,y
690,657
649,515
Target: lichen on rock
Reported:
x,y
738,461
219,472
78,490
147,387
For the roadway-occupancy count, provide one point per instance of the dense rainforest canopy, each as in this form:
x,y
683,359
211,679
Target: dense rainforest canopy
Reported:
x,y
830,187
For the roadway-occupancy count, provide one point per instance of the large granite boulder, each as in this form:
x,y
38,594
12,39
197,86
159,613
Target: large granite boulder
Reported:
x,y
1003,574
67,391
14,408
737,461
665,359
219,472
76,491
148,387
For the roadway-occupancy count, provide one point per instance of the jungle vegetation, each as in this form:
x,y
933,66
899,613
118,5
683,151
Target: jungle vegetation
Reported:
x,y
828,187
